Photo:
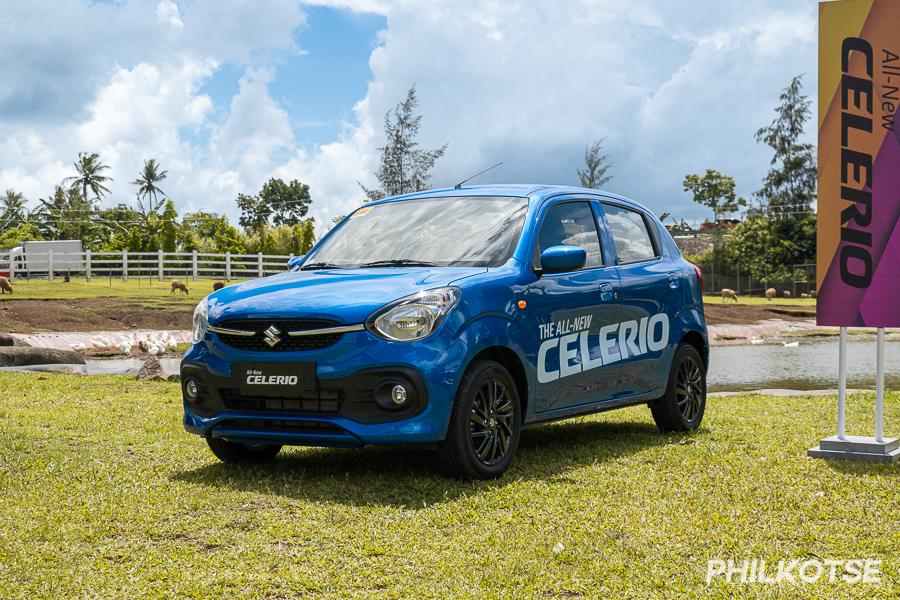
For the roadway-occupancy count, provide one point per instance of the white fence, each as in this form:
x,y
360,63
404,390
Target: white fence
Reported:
x,y
160,265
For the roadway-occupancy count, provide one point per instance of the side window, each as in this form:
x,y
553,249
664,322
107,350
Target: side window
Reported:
x,y
630,234
573,224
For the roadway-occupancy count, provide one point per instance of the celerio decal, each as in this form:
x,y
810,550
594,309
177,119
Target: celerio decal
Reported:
x,y
614,342
257,378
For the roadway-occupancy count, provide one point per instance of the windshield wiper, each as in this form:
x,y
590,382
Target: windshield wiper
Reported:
x,y
398,262
320,265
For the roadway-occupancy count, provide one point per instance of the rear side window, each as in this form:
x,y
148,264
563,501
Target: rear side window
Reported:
x,y
630,234
572,224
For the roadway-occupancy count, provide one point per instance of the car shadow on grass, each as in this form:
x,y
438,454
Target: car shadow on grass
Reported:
x,y
412,476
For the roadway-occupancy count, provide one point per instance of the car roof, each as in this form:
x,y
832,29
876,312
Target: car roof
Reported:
x,y
536,192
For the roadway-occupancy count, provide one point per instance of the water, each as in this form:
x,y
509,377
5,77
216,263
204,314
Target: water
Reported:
x,y
810,366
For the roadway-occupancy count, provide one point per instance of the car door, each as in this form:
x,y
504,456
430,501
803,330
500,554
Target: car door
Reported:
x,y
569,310
651,294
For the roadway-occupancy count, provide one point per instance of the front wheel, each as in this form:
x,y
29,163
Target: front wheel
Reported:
x,y
485,424
682,407
233,452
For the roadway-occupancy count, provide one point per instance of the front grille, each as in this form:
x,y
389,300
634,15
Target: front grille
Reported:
x,y
316,402
256,343
282,426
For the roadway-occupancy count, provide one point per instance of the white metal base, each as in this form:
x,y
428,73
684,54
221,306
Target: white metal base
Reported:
x,y
857,447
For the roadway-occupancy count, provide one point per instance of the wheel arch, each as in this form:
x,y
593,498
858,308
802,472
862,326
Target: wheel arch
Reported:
x,y
510,361
698,341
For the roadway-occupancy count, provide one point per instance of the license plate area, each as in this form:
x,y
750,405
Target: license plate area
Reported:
x,y
274,380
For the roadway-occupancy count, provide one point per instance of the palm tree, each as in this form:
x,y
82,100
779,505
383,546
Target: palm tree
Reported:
x,y
147,183
89,170
12,208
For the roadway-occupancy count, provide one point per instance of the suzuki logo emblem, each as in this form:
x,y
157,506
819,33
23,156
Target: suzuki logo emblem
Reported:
x,y
272,336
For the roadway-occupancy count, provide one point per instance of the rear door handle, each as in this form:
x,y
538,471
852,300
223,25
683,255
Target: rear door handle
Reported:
x,y
606,292
674,280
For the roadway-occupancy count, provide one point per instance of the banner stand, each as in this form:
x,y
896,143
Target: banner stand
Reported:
x,y
856,447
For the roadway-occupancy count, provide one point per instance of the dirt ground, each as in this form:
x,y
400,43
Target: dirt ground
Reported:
x,y
89,314
744,314
114,314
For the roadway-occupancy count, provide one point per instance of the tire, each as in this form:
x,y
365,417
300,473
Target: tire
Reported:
x,y
485,425
683,405
233,452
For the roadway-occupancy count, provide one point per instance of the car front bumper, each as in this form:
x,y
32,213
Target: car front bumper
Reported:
x,y
345,406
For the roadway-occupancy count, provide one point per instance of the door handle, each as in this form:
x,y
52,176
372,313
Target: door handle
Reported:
x,y
606,292
674,280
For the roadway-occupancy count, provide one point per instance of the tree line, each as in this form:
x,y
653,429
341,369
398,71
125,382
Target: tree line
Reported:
x,y
779,228
273,221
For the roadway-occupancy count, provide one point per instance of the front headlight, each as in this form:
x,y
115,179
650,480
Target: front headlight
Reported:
x,y
414,317
201,320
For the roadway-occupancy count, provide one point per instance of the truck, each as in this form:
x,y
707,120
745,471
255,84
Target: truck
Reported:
x,y
453,318
31,258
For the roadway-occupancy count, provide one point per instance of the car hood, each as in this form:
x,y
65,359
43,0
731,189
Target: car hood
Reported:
x,y
347,296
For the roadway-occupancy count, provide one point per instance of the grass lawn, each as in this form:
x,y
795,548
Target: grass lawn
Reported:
x,y
103,494
754,300
149,289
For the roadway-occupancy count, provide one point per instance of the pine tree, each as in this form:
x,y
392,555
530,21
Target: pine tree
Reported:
x,y
594,175
404,166
790,185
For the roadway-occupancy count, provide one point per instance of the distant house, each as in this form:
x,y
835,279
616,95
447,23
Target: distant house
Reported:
x,y
720,224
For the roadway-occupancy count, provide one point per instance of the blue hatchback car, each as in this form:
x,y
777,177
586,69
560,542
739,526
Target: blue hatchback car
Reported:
x,y
453,317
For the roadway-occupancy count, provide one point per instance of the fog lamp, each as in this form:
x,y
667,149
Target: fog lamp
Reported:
x,y
191,389
398,395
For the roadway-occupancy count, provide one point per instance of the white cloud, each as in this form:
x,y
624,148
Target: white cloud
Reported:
x,y
256,128
673,87
167,13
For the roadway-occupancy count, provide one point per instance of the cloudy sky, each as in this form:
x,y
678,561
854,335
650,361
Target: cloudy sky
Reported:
x,y
227,93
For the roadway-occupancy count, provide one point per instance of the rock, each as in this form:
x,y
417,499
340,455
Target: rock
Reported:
x,y
151,370
26,356
7,340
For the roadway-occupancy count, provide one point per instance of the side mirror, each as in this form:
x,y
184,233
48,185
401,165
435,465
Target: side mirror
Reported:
x,y
562,258
293,263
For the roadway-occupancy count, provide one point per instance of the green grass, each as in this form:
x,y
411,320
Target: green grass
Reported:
x,y
102,494
717,299
152,292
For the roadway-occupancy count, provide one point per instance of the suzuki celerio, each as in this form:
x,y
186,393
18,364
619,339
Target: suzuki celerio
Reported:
x,y
453,317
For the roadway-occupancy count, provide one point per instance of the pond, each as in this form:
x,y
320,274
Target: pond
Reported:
x,y
813,365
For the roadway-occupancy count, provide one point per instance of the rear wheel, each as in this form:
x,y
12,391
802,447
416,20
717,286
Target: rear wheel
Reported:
x,y
683,405
233,452
485,425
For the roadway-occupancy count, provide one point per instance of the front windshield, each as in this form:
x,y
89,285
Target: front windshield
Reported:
x,y
471,231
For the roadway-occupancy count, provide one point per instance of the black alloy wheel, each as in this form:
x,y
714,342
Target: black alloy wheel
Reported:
x,y
485,424
690,388
491,422
684,403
